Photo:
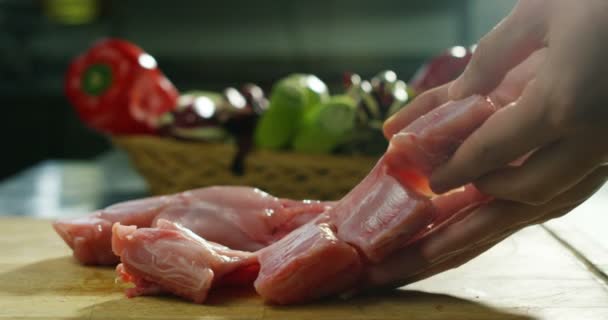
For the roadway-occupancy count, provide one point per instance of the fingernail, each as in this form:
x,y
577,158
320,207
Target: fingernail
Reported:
x,y
388,121
386,130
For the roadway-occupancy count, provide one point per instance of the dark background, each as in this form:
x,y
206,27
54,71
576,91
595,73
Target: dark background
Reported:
x,y
208,45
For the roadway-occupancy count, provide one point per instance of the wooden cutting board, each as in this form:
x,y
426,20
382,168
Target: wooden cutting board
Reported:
x,y
528,276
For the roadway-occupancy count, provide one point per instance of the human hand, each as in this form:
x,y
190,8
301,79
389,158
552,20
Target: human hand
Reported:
x,y
461,241
561,112
553,111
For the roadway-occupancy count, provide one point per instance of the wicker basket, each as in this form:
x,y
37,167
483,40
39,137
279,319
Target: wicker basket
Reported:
x,y
170,166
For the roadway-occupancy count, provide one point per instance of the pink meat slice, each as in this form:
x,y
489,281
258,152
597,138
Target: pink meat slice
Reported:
x,y
240,217
392,206
428,142
90,236
389,209
431,139
171,258
380,214
309,263
307,250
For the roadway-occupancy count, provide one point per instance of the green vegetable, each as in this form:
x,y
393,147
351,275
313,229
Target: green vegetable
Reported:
x,y
290,98
326,125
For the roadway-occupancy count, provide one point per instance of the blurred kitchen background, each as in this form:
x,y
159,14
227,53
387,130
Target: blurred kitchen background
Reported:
x,y
208,45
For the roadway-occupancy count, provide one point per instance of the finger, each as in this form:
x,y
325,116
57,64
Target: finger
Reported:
x,y
578,194
581,191
507,135
518,78
409,265
424,103
509,43
442,243
485,223
508,91
496,218
553,214
547,173
458,258
451,262
460,242
399,265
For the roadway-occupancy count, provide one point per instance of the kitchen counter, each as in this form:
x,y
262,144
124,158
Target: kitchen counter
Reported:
x,y
554,271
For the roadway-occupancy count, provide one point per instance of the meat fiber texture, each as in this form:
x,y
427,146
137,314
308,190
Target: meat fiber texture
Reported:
x,y
390,208
171,258
242,218
302,250
431,139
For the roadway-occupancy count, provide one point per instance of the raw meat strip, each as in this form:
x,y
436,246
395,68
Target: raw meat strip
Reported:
x,y
385,212
309,263
240,217
328,255
376,219
392,205
171,258
439,132
380,214
431,139
90,236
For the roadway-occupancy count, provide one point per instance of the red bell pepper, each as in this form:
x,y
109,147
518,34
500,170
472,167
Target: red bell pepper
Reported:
x,y
116,88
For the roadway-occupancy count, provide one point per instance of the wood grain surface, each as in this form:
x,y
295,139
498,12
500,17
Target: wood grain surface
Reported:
x,y
528,276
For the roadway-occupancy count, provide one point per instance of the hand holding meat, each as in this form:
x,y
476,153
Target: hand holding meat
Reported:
x,y
295,251
514,142
542,153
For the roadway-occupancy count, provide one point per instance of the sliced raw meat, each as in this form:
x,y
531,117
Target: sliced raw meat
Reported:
x,y
306,250
171,258
240,217
380,214
309,263
90,236
386,211
431,139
